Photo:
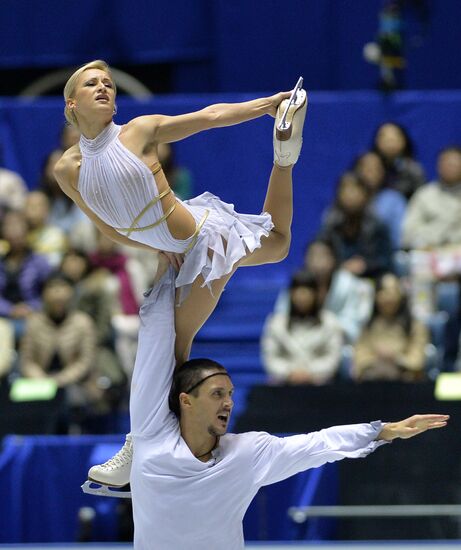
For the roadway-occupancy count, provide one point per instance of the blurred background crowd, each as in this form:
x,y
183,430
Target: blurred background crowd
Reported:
x,y
375,298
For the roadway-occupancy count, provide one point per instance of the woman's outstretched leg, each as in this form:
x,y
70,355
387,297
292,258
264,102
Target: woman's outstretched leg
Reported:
x,y
279,204
200,303
279,196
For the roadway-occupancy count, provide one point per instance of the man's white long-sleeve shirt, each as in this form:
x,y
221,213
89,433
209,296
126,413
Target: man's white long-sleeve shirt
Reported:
x,y
180,502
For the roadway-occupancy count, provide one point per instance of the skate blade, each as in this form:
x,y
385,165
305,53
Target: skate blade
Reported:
x,y
284,127
98,489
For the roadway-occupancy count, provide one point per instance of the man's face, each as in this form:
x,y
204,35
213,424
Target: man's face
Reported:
x,y
212,408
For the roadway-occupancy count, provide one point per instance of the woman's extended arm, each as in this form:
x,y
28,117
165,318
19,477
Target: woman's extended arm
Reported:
x,y
167,129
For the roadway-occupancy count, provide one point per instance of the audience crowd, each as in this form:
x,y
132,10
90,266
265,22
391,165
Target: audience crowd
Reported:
x,y
364,306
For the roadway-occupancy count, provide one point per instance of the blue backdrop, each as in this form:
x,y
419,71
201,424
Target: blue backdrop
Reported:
x,y
218,45
235,162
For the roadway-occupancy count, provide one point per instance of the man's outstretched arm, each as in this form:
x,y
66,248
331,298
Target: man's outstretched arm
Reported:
x,y
276,458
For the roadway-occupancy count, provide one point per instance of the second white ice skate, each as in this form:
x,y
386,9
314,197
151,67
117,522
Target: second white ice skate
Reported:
x,y
110,478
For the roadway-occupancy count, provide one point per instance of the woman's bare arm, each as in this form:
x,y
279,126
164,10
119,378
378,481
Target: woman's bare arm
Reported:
x,y
63,176
167,129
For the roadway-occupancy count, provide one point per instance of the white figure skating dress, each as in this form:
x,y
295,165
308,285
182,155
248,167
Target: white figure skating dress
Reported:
x,y
122,191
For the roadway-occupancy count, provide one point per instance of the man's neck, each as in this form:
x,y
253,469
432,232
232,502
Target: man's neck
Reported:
x,y
199,442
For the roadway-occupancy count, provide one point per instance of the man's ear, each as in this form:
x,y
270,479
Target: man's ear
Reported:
x,y
184,400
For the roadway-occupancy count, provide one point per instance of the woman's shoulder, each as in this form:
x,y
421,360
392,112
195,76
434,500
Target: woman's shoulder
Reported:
x,y
67,166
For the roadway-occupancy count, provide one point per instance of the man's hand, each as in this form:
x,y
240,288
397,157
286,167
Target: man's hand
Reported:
x,y
176,260
412,426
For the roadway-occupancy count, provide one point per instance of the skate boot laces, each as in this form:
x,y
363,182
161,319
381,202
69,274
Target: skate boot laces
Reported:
x,y
122,458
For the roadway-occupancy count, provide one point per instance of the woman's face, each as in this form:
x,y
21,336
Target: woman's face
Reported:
x,y
352,197
303,298
389,297
370,168
94,94
14,230
390,141
449,167
37,209
57,297
74,267
320,260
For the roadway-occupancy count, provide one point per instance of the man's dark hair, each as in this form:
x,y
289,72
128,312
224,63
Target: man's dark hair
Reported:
x,y
188,377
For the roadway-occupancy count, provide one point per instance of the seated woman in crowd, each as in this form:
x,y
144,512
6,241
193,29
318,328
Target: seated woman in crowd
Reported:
x,y
303,345
44,238
92,296
126,279
361,242
403,173
350,298
387,204
59,343
393,345
22,272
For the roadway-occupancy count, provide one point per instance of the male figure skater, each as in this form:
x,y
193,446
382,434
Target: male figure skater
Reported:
x,y
191,482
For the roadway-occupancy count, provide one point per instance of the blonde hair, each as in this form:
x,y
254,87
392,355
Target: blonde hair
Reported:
x,y
71,84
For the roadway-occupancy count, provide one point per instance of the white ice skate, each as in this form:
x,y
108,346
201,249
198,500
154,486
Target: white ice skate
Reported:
x,y
109,479
288,127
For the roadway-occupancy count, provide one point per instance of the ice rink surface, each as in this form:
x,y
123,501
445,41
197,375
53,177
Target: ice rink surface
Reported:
x,y
362,545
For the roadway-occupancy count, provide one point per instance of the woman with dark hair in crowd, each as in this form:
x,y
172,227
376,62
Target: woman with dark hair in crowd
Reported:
x,y
387,204
361,242
403,173
22,272
393,345
303,345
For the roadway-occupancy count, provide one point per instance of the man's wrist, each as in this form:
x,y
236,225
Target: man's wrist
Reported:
x,y
388,432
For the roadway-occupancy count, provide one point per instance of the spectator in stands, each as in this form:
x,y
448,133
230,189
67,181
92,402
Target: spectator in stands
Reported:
x,y
13,190
393,345
387,204
60,343
7,351
433,217
22,272
179,178
127,279
361,242
63,212
92,297
348,297
304,345
403,173
44,238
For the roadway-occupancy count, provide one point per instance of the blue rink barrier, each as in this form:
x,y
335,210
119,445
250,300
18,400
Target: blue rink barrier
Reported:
x,y
41,476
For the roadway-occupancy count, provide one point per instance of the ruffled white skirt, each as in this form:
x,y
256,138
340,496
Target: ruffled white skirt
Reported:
x,y
225,237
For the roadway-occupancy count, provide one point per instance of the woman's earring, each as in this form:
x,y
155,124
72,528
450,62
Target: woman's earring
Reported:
x,y
115,109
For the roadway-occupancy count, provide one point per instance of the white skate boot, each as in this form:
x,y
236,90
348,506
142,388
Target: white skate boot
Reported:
x,y
288,127
107,479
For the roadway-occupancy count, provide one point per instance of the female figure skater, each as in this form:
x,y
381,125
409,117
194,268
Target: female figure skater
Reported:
x,y
114,176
